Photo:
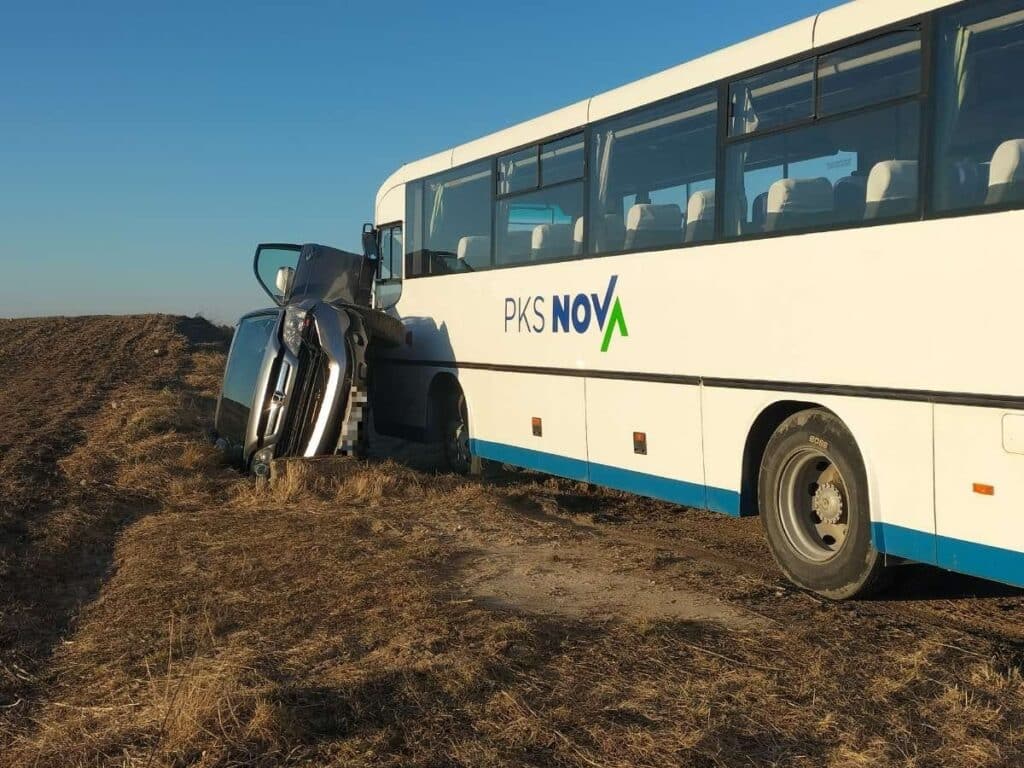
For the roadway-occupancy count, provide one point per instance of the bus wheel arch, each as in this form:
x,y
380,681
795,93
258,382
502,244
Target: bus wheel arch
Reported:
x,y
760,432
442,396
448,423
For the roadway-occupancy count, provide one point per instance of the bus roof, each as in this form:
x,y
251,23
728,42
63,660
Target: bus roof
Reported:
x,y
826,28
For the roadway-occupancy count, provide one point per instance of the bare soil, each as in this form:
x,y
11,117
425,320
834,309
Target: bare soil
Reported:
x,y
157,609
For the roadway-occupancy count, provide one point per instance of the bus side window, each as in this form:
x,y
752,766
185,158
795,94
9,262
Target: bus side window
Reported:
x,y
979,143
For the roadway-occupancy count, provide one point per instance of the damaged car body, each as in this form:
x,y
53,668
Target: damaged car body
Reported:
x,y
295,384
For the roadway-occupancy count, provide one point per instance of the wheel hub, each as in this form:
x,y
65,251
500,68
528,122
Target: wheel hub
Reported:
x,y
828,503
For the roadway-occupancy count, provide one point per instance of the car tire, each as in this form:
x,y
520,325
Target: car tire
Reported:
x,y
815,509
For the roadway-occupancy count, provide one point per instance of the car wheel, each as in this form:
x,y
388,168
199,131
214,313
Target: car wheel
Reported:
x,y
814,504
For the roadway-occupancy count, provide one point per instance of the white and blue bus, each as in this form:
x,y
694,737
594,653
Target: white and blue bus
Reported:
x,y
779,280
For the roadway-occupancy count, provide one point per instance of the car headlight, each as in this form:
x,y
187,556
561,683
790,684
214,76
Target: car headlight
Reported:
x,y
295,323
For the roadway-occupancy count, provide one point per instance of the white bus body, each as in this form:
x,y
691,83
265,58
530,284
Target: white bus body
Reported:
x,y
904,330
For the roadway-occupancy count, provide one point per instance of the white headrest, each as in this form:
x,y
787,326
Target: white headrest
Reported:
x,y
577,230
660,217
701,206
474,247
1007,163
551,236
800,196
892,180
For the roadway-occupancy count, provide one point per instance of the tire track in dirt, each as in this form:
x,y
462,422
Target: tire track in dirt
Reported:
x,y
958,606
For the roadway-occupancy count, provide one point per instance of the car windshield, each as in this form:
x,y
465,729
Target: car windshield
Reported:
x,y
240,378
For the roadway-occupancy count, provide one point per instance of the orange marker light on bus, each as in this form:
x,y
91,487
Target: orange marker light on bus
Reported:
x,y
985,490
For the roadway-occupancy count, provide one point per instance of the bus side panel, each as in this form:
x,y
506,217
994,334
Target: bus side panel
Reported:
x,y
979,490
645,438
895,441
503,407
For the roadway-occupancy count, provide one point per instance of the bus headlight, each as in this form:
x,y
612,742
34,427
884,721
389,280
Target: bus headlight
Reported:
x,y
295,323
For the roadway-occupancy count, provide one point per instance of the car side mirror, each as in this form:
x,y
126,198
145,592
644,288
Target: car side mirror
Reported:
x,y
284,280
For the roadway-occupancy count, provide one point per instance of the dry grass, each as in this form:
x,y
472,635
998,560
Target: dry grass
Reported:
x,y
369,484
322,620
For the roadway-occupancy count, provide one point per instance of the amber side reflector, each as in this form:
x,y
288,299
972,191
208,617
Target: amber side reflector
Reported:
x,y
538,428
985,490
640,443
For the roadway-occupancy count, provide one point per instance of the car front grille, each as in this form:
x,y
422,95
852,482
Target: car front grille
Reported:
x,y
307,396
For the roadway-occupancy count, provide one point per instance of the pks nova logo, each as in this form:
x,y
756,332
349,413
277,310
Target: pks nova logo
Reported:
x,y
568,313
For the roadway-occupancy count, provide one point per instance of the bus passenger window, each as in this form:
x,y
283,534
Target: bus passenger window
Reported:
x,y
859,165
782,96
979,144
538,220
538,226
457,205
837,173
885,68
654,177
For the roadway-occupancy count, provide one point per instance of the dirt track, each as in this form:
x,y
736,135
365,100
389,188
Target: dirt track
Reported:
x,y
156,607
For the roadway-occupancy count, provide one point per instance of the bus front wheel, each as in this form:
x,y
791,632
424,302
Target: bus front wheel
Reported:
x,y
813,497
458,452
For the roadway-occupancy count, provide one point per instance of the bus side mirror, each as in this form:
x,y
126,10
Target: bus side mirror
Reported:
x,y
371,247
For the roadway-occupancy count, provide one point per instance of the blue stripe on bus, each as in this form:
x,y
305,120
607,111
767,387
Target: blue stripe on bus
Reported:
x,y
575,469
904,542
969,557
654,486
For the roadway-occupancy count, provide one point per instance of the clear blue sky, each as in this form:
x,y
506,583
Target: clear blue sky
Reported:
x,y
146,147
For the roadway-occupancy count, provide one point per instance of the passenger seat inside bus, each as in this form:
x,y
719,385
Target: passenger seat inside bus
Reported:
x,y
797,203
653,226
551,241
892,189
1006,174
759,213
700,216
474,250
577,237
514,246
851,198
608,239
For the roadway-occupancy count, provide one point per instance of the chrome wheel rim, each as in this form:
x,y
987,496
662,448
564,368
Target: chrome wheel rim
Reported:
x,y
813,505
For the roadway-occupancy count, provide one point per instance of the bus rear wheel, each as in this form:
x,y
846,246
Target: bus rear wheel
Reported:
x,y
813,497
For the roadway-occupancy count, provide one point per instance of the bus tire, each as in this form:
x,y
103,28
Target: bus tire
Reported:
x,y
455,440
813,498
